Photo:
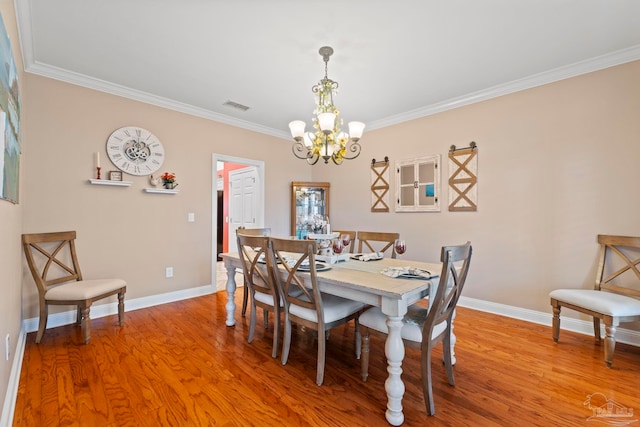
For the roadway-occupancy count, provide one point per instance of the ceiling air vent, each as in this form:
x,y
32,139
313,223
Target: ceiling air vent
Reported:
x,y
236,105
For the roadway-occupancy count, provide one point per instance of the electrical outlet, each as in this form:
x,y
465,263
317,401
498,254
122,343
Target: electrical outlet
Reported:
x,y
191,217
169,272
7,347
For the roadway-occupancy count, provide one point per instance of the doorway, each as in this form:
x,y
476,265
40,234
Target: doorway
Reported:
x,y
251,190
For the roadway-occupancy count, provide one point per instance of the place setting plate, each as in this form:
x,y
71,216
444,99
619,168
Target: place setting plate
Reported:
x,y
319,267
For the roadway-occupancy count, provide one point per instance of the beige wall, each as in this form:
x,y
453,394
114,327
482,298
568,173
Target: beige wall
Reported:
x,y
123,231
558,164
10,230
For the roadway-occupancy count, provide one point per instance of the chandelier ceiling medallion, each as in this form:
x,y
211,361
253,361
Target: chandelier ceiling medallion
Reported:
x,y
327,141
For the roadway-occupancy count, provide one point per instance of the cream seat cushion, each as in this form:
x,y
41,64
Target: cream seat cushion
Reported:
x,y
268,298
608,303
335,308
412,323
83,289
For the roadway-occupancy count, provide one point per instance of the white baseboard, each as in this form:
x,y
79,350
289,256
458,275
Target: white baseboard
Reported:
x,y
6,419
626,336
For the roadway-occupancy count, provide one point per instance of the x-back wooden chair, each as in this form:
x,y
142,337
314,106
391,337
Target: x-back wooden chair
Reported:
x,y
262,291
615,297
304,304
53,263
383,242
422,327
250,232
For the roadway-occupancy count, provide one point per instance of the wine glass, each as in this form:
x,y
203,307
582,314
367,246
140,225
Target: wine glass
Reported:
x,y
346,239
337,246
400,245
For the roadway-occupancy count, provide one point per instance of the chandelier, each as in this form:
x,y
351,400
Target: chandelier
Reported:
x,y
327,141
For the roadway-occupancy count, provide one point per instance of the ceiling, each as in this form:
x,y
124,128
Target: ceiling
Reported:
x,y
394,61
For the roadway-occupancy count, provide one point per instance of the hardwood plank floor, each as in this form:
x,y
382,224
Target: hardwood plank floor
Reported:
x,y
179,365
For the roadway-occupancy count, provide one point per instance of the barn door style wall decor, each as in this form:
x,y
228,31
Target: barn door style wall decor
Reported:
x,y
463,178
380,185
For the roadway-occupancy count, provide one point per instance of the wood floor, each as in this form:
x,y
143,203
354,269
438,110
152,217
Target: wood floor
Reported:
x,y
179,365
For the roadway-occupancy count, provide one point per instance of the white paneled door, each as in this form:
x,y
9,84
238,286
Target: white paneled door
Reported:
x,y
244,202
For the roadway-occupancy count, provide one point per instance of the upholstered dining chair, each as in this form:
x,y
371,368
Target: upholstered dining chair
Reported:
x,y
422,327
352,237
53,263
374,241
309,307
615,297
262,292
250,232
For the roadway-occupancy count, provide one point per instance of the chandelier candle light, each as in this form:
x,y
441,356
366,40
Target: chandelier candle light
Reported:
x,y
328,141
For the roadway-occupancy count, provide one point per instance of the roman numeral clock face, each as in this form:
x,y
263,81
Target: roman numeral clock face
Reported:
x,y
135,151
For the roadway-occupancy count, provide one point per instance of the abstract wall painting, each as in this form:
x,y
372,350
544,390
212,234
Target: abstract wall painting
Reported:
x,y
9,120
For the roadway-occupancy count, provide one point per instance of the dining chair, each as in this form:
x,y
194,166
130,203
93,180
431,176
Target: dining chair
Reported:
x,y
352,236
422,327
374,241
250,232
309,307
262,292
53,262
615,297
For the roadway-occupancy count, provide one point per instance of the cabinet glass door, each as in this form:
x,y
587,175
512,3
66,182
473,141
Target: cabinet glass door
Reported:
x,y
309,207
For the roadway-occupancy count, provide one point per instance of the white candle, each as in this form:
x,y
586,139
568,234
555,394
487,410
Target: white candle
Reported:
x,y
97,159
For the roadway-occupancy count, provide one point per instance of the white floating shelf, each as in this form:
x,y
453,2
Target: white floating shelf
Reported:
x,y
160,191
109,182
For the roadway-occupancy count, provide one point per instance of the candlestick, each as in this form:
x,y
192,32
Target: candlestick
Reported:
x,y
98,172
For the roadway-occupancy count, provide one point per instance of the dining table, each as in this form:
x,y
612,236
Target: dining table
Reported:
x,y
364,281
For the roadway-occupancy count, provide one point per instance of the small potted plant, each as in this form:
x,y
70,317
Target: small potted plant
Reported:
x,y
169,180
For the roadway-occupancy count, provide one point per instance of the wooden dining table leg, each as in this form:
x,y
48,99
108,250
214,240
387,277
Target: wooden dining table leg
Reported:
x,y
394,350
231,290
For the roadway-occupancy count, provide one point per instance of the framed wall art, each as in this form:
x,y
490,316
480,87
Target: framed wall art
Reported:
x,y
9,121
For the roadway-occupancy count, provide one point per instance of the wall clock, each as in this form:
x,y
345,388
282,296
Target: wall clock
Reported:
x,y
135,150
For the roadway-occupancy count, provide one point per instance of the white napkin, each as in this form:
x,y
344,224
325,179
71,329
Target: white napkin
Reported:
x,y
409,272
369,257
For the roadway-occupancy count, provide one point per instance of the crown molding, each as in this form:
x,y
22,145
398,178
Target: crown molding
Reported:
x,y
583,67
561,73
23,14
137,95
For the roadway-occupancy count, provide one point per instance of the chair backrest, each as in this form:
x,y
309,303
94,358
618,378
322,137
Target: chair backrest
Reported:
x,y
352,235
452,279
253,257
254,231
383,242
294,287
619,260
51,258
